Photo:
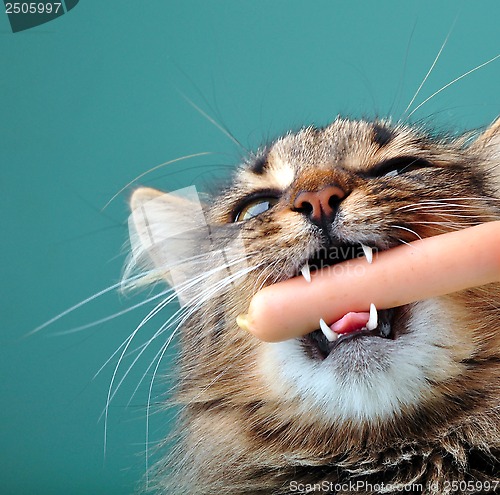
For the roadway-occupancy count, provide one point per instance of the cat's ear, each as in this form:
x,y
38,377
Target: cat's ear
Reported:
x,y
172,241
489,141
163,230
157,216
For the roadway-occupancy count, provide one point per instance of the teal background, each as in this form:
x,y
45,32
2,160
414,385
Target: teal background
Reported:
x,y
93,99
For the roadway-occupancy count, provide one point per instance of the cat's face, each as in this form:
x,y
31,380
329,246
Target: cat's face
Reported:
x,y
396,186
391,185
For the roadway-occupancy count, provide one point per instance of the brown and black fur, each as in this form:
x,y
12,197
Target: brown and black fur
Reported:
x,y
251,421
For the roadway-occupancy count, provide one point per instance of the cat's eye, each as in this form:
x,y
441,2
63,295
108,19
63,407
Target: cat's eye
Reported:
x,y
255,207
398,166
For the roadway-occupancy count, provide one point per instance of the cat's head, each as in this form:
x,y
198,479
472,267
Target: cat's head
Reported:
x,y
387,185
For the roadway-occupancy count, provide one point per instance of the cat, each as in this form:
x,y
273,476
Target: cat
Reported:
x,y
415,407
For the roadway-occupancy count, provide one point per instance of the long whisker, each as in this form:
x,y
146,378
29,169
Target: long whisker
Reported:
x,y
454,225
452,82
76,306
431,67
113,316
407,229
443,202
403,241
453,214
150,315
436,209
150,392
484,198
270,268
129,339
163,350
172,320
397,97
127,343
219,126
175,160
211,120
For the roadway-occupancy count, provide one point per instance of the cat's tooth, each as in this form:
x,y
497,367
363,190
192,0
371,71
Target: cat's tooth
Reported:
x,y
306,272
373,320
327,331
368,252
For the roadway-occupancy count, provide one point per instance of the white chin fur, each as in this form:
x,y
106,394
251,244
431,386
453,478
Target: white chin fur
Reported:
x,y
360,386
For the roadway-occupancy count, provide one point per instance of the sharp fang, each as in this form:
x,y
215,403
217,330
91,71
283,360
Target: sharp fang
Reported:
x,y
327,331
373,320
306,273
368,253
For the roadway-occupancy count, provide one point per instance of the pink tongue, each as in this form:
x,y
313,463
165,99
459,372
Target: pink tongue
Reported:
x,y
351,322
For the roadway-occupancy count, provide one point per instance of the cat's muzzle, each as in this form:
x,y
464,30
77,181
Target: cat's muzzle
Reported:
x,y
319,347
316,343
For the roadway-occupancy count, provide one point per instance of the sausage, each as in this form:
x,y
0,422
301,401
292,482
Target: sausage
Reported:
x,y
426,268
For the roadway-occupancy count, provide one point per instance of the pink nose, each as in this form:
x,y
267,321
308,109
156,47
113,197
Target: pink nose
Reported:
x,y
319,205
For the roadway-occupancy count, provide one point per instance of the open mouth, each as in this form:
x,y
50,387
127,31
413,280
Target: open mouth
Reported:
x,y
375,324
319,346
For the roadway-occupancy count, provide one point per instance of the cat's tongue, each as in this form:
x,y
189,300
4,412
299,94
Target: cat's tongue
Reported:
x,y
351,322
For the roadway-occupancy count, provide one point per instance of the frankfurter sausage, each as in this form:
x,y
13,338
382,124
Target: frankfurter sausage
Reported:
x,y
423,269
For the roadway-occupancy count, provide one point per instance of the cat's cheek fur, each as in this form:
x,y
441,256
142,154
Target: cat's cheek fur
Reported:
x,y
370,380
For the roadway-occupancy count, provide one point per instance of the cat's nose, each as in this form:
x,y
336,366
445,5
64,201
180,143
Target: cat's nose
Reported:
x,y
319,206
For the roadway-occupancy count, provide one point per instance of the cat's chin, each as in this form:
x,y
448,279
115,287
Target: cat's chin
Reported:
x,y
366,377
318,346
